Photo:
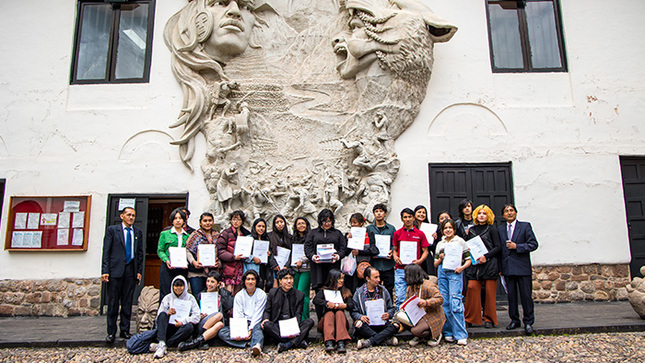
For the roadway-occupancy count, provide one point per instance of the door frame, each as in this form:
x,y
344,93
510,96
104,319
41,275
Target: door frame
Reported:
x,y
635,253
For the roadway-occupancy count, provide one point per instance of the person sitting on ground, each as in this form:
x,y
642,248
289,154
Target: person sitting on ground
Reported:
x,y
171,334
430,299
249,304
373,333
332,321
210,324
283,303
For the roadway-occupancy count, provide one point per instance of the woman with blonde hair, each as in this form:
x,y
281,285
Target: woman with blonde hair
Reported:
x,y
484,271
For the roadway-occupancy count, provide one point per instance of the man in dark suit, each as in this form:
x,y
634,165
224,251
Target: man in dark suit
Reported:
x,y
516,266
121,270
285,302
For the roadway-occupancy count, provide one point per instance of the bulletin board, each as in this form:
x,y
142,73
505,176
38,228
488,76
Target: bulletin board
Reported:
x,y
48,223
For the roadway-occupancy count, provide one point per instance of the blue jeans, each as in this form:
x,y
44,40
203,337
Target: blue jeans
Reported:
x,y
197,285
451,286
257,337
399,287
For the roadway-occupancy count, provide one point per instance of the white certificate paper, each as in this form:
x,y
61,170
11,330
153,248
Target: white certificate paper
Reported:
x,y
477,248
63,219
78,220
283,256
206,254
16,239
243,246
177,257
182,308
375,309
412,309
239,328
71,206
62,238
298,251
209,302
452,259
127,202
333,296
77,237
289,327
20,221
33,221
407,252
383,244
325,251
260,249
357,242
428,229
48,219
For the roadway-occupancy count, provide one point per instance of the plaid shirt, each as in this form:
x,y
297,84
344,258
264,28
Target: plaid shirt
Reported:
x,y
434,312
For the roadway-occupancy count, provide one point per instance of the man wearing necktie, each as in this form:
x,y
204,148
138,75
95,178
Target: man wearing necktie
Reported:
x,y
121,271
519,242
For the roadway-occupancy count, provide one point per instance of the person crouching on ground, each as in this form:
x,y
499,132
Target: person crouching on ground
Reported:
x,y
332,321
430,325
373,332
283,303
182,328
210,324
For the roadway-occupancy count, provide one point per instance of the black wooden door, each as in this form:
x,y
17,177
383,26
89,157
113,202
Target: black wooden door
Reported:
x,y
633,172
489,184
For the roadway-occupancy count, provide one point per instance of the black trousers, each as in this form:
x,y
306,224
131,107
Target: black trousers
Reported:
x,y
377,334
273,330
171,334
120,292
387,279
524,286
165,279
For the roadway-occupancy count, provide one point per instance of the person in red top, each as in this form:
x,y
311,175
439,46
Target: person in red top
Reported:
x,y
407,233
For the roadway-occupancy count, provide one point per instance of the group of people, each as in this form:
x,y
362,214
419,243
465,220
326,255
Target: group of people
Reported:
x,y
358,292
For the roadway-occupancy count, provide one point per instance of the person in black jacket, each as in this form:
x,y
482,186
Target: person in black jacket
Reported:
x,y
283,303
325,234
485,272
465,221
365,254
332,321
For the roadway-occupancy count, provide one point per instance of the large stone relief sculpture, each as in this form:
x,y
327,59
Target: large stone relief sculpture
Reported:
x,y
300,102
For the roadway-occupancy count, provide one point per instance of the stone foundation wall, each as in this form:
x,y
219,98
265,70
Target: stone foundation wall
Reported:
x,y
568,283
56,297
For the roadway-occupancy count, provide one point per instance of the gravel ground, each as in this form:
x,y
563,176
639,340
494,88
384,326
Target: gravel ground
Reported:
x,y
613,347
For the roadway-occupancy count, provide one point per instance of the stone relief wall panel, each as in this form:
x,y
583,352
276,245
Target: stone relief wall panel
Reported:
x,y
300,101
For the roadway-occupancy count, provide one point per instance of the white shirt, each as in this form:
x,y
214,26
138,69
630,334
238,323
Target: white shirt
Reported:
x,y
250,307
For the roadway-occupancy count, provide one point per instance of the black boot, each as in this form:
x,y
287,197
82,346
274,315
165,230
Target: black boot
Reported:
x,y
341,347
329,346
191,344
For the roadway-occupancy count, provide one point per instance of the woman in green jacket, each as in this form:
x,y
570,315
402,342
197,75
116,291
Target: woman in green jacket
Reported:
x,y
170,238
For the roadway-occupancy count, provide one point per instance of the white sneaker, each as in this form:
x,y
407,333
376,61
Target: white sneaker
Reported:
x,y
256,350
449,339
392,341
414,341
160,352
434,343
462,341
153,347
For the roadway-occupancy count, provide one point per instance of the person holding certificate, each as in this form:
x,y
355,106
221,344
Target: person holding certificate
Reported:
x,y
383,233
302,279
249,305
486,270
232,265
173,237
369,249
285,303
212,319
410,245
451,253
279,237
324,235
373,311
259,233
431,324
203,236
331,302
421,218
176,318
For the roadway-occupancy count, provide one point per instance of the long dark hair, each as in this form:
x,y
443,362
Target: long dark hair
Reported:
x,y
297,238
417,224
414,275
282,239
254,233
463,205
324,215
332,283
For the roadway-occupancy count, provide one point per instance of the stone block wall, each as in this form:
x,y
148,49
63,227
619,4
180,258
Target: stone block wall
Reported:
x,y
56,297
595,282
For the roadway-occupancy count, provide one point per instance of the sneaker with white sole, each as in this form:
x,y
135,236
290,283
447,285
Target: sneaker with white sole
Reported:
x,y
160,352
433,342
462,341
256,350
153,347
392,342
414,341
449,339
363,343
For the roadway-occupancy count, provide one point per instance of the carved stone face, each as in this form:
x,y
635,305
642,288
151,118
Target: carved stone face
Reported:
x,y
232,26
147,308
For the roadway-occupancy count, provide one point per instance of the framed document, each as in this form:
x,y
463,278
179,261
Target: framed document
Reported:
x,y
206,254
407,252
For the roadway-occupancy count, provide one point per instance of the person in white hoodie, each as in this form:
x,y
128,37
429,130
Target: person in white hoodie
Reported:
x,y
174,329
